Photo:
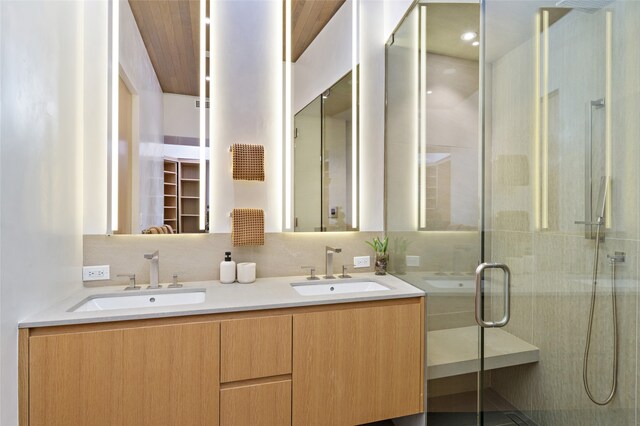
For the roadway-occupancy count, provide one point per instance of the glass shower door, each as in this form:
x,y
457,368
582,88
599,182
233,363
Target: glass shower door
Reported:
x,y
560,105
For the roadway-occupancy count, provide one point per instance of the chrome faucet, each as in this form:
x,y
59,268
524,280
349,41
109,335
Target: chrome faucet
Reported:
x,y
154,268
329,261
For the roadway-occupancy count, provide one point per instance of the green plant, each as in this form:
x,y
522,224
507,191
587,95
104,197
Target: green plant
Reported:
x,y
379,246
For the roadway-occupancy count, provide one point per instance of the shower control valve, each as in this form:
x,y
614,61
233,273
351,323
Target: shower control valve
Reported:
x,y
618,257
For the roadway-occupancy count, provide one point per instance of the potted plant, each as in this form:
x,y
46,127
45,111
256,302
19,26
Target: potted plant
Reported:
x,y
382,259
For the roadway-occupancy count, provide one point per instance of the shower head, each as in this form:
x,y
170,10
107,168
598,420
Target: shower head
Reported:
x,y
589,6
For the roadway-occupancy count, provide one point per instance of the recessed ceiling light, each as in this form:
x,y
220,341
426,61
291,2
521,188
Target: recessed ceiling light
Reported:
x,y
468,36
475,43
429,92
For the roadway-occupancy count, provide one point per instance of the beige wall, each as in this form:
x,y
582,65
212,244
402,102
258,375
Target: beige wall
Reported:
x,y
198,256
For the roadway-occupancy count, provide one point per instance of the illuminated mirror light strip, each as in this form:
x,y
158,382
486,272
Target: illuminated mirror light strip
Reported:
x,y
202,112
288,123
422,134
536,125
608,108
115,137
212,108
355,123
545,122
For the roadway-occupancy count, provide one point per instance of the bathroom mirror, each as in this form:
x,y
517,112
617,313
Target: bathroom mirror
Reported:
x,y
432,113
323,150
322,161
157,183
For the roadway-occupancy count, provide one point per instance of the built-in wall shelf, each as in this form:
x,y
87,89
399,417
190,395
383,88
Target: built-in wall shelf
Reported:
x,y
171,193
454,351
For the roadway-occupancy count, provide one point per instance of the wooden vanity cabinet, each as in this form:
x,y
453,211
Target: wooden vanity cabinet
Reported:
x,y
344,364
355,366
160,375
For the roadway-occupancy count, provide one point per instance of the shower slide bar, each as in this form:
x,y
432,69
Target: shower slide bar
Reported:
x,y
589,221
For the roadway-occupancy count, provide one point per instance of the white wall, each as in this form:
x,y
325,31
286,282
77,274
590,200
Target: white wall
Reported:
x,y
247,98
181,117
41,169
148,132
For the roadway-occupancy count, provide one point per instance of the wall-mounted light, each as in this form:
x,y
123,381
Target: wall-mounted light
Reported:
x,y
202,131
355,60
288,122
544,203
536,123
607,112
422,119
115,139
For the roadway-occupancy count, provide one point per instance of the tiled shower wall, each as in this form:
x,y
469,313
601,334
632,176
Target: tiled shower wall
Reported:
x,y
551,285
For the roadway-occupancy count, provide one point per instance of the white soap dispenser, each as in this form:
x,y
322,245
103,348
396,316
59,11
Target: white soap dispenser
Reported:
x,y
227,269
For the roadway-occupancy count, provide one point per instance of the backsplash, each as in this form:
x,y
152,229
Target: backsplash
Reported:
x,y
197,257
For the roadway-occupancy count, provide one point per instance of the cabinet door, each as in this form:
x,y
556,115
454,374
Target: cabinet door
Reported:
x,y
357,366
162,375
264,404
255,347
76,379
171,375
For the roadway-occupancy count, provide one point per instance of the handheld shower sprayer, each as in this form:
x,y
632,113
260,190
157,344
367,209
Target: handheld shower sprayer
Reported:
x,y
618,257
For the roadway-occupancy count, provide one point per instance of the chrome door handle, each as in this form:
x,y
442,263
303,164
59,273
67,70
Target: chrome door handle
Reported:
x,y
480,289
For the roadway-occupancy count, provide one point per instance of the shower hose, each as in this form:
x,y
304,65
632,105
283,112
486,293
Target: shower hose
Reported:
x,y
594,282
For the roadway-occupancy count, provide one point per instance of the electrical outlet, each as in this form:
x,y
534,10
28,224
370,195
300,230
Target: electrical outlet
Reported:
x,y
361,261
412,260
95,273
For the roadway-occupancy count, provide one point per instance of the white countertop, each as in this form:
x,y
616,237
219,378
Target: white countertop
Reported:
x,y
265,293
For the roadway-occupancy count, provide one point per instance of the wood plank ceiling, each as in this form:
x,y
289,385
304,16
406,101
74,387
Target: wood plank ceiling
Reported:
x,y
170,31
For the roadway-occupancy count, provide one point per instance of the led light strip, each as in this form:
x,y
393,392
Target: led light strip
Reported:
x,y
202,112
607,111
422,151
288,124
115,84
545,122
536,124
355,56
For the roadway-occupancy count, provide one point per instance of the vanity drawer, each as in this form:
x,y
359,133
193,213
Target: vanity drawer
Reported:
x,y
255,347
266,404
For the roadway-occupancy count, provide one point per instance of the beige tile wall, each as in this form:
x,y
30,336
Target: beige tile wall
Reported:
x,y
198,256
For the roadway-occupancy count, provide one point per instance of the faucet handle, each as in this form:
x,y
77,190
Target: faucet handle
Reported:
x,y
344,275
132,281
174,282
312,273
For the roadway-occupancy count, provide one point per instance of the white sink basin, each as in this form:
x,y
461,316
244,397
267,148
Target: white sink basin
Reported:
x,y
139,300
318,289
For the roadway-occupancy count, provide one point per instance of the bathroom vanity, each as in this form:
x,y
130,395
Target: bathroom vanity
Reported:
x,y
249,354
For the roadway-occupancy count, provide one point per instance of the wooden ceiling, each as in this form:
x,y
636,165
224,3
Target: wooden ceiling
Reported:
x,y
308,18
170,31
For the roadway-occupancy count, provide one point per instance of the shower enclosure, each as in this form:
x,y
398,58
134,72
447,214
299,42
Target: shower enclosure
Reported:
x,y
519,153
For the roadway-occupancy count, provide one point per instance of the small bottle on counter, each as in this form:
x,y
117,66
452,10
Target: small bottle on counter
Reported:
x,y
227,269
